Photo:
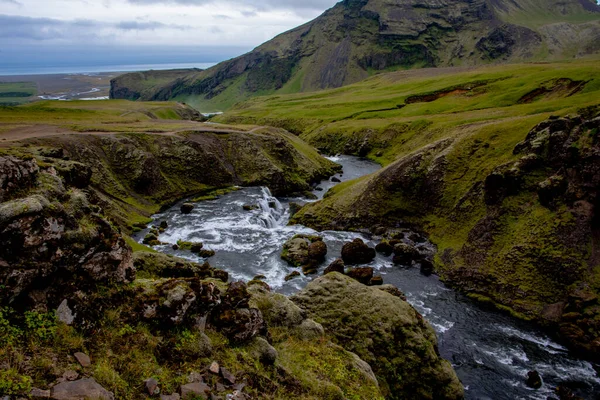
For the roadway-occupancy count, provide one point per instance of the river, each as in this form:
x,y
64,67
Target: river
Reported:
x,y
490,351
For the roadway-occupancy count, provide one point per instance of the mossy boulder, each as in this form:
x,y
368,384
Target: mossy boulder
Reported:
x,y
158,265
384,331
304,251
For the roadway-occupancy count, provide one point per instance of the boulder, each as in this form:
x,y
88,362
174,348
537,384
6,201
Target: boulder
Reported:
x,y
82,389
195,391
152,387
335,180
263,351
187,208
376,281
317,251
304,251
385,248
427,267
384,331
363,275
83,359
357,252
292,275
534,380
404,254
336,266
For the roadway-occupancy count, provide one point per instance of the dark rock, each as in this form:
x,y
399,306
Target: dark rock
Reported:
x,y
82,389
196,247
427,267
294,208
250,207
235,319
175,247
83,359
150,238
564,393
317,251
393,290
195,391
363,275
534,380
336,266
164,224
152,387
206,253
187,208
551,189
404,254
385,248
228,376
310,196
263,351
379,230
376,281
336,180
16,175
221,275
319,189
294,274
259,278
357,252
75,174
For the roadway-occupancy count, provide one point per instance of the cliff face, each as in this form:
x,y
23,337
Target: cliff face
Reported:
x,y
357,38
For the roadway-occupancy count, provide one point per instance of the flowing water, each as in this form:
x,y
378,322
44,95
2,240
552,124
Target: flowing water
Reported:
x,y
491,352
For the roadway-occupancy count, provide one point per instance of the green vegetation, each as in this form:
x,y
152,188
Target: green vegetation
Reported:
x,y
15,93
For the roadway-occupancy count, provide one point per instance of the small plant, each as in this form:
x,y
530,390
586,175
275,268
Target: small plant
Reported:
x,y
11,382
41,326
9,334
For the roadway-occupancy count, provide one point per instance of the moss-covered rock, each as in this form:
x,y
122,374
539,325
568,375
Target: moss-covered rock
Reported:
x,y
384,331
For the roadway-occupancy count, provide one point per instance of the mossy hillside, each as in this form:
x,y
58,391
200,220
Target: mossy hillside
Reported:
x,y
134,175
101,116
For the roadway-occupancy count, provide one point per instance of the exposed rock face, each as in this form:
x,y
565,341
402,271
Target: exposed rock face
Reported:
x,y
15,175
384,331
53,243
353,37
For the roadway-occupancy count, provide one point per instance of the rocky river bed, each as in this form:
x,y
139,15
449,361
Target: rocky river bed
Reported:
x,y
491,352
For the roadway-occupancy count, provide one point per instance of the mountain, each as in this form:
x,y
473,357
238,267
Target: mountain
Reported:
x,y
357,38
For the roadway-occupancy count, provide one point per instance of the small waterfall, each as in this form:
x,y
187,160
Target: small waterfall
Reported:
x,y
272,212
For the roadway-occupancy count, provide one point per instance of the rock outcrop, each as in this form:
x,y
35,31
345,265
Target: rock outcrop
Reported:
x,y
384,331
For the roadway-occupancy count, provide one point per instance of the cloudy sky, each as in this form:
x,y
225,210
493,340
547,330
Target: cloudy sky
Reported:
x,y
205,30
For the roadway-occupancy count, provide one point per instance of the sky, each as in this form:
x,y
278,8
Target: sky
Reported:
x,y
143,31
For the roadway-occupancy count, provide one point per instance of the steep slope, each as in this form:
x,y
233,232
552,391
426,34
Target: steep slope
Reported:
x,y
356,38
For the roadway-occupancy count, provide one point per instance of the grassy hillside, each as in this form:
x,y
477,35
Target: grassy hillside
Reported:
x,y
356,39
463,163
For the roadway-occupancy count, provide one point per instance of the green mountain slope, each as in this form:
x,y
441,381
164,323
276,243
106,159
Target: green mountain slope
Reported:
x,y
480,160
357,38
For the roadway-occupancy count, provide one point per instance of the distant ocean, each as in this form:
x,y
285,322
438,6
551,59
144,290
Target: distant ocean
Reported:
x,y
28,70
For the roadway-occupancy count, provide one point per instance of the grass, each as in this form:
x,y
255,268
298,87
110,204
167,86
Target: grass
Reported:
x,y
100,116
15,93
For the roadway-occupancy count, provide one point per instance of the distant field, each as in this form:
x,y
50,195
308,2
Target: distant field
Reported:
x,y
14,93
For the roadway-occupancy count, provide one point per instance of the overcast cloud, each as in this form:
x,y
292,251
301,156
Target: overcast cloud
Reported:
x,y
27,26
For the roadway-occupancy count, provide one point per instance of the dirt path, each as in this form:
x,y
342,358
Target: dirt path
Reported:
x,y
42,130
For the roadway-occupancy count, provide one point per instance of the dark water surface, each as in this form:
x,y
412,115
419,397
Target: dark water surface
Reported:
x,y
491,352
